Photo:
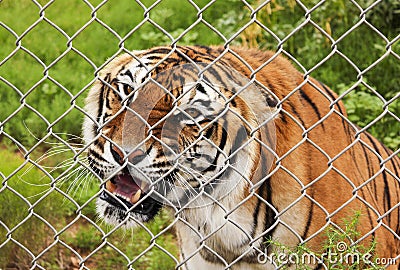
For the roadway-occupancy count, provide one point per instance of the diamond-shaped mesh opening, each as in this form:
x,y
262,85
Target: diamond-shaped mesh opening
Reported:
x,y
8,42
330,15
110,14
54,42
27,121
19,257
164,16
216,155
374,40
87,38
269,13
73,17
22,71
27,12
321,50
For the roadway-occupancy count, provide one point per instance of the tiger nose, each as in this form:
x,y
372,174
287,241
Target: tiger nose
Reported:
x,y
134,157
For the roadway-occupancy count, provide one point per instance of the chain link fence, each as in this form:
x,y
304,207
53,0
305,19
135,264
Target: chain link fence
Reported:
x,y
51,55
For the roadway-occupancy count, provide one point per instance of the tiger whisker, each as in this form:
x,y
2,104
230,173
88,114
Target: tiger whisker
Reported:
x,y
87,180
38,194
195,194
208,180
31,166
74,136
189,188
20,177
81,179
64,178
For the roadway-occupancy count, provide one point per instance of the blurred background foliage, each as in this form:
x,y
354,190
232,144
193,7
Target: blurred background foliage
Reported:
x,y
43,73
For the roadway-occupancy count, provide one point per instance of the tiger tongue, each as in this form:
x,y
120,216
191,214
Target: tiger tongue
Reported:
x,y
125,185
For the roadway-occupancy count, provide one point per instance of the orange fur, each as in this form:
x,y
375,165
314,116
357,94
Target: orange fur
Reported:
x,y
312,133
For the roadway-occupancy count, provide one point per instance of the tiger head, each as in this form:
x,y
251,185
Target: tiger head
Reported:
x,y
173,132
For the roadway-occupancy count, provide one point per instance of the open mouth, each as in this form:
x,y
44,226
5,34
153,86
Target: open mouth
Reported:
x,y
127,192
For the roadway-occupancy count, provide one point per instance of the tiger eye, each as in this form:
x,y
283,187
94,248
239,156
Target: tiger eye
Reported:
x,y
192,112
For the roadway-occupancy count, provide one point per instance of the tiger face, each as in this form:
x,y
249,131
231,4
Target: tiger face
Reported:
x,y
172,137
242,147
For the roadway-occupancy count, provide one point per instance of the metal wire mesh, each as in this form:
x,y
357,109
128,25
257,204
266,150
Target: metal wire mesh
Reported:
x,y
38,236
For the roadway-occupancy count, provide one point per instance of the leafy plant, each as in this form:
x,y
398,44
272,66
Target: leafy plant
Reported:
x,y
340,250
365,107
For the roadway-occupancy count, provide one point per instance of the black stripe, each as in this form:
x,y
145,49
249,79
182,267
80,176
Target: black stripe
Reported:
x,y
269,87
99,144
330,94
283,118
327,91
200,88
160,51
367,160
386,188
107,97
241,136
96,155
370,169
369,214
177,77
256,211
101,98
94,129
388,152
224,138
233,103
154,57
120,70
95,166
204,103
221,146
149,149
210,130
294,111
398,224
171,60
315,108
345,125
222,70
269,217
129,74
309,219
231,76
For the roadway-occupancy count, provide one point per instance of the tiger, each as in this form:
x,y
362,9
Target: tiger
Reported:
x,y
241,148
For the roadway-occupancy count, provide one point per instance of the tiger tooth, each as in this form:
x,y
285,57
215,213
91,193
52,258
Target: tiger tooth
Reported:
x,y
110,186
143,185
135,197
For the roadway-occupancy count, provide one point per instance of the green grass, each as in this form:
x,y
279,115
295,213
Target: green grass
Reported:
x,y
132,243
18,194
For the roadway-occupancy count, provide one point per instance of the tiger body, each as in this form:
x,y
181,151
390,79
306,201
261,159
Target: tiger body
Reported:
x,y
320,170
